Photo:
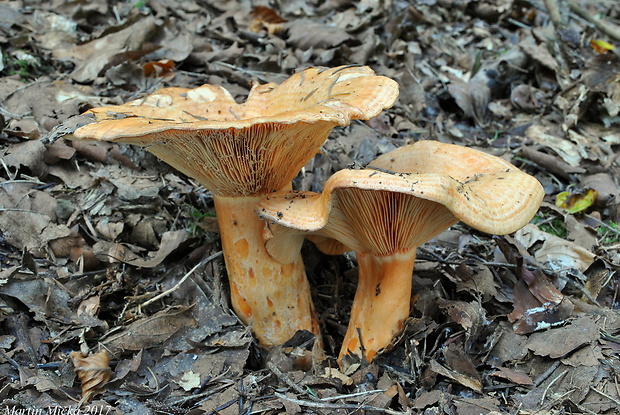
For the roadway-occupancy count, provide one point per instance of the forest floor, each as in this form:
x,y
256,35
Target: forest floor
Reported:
x,y
526,323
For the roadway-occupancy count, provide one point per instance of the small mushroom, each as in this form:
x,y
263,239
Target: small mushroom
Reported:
x,y
242,152
384,212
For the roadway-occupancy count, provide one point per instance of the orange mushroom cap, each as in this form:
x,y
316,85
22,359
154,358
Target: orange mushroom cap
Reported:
x,y
252,148
241,152
384,212
481,190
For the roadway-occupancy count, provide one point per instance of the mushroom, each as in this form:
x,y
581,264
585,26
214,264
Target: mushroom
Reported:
x,y
385,211
242,152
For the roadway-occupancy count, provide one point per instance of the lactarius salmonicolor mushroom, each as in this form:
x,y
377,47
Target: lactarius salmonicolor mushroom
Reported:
x,y
384,212
242,152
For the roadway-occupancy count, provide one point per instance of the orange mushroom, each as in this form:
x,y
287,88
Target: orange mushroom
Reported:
x,y
384,212
242,152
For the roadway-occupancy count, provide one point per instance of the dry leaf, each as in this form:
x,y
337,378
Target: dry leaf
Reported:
x,y
89,307
306,34
264,17
158,69
94,57
514,376
485,405
538,305
151,331
93,371
331,372
170,241
560,341
557,253
465,380
570,152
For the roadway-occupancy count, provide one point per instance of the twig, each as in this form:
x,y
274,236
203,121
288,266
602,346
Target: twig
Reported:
x,y
543,409
182,280
546,373
554,14
617,402
283,377
222,407
323,405
11,361
609,29
558,377
352,395
603,224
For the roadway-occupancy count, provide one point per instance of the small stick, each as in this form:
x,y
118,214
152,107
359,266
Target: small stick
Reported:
x,y
617,402
609,29
283,377
182,280
554,14
352,395
323,405
558,377
546,373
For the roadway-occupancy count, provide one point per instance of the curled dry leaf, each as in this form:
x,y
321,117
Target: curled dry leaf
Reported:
x,y
526,97
552,251
264,17
465,380
93,372
158,69
538,305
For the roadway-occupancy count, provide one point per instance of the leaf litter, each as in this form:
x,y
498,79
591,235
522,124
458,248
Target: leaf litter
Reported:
x,y
102,247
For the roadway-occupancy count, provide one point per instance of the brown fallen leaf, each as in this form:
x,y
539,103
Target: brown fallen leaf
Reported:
x,y
93,372
94,57
539,285
526,97
476,406
305,34
608,190
570,152
29,154
537,303
463,379
57,152
151,331
561,341
77,249
554,252
264,17
106,153
170,241
514,376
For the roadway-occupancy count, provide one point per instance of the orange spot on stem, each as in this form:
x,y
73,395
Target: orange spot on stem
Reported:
x,y
243,248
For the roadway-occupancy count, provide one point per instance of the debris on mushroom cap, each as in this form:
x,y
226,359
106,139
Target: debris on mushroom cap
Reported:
x,y
250,148
339,94
458,183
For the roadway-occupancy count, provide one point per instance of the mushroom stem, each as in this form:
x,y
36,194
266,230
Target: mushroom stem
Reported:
x,y
381,304
273,297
